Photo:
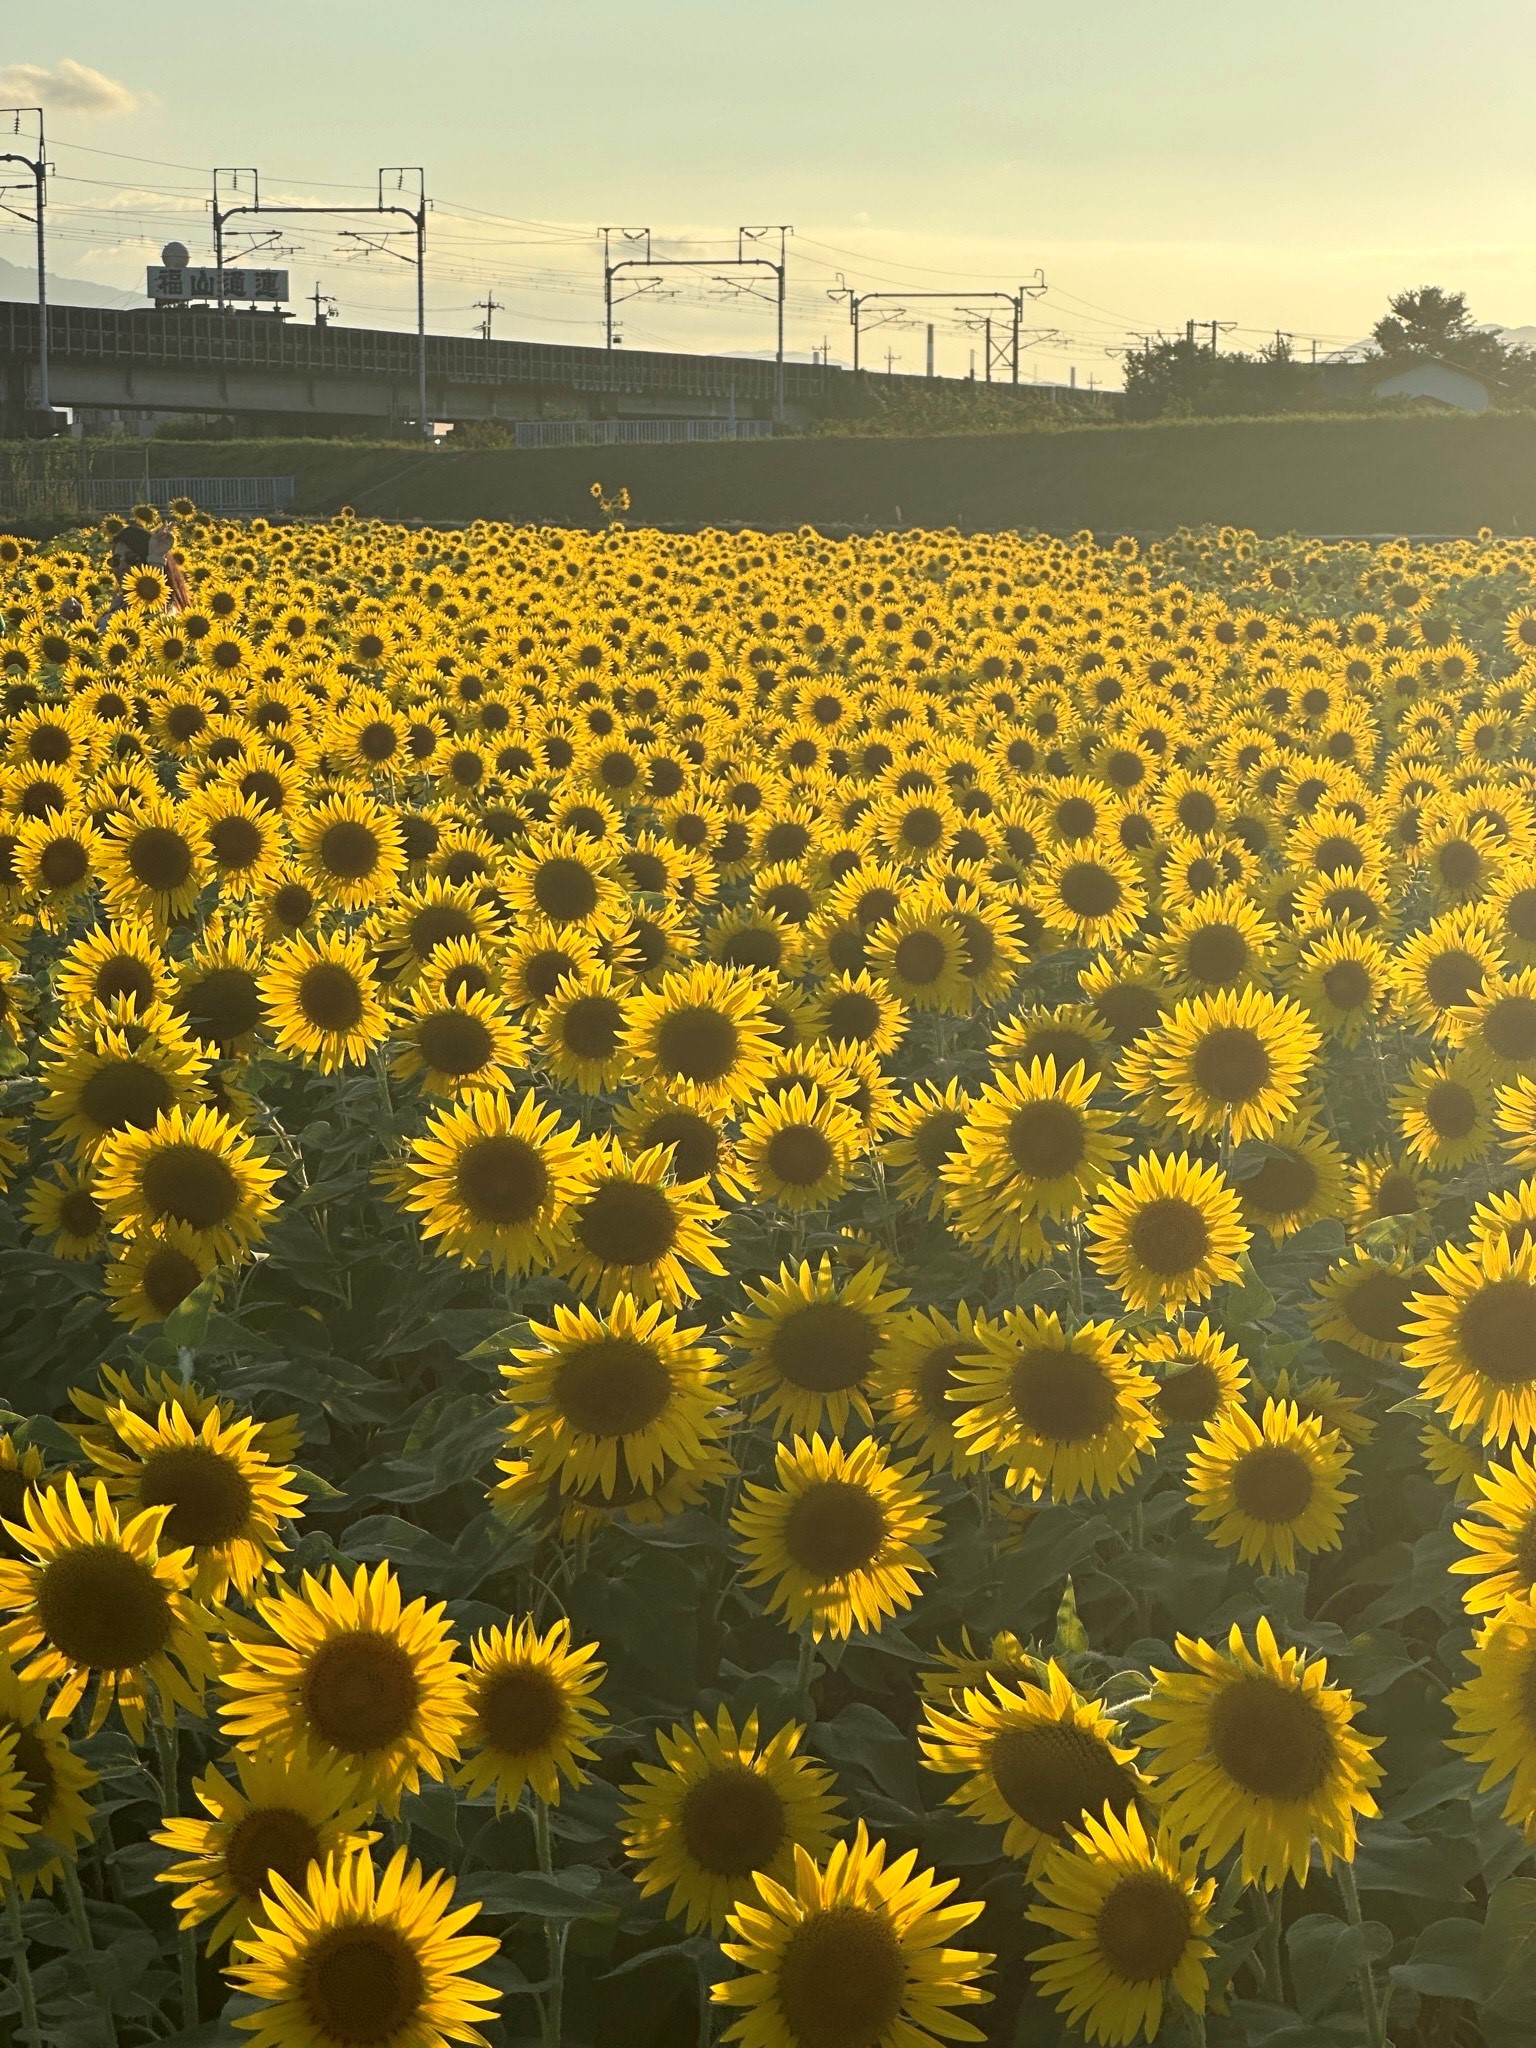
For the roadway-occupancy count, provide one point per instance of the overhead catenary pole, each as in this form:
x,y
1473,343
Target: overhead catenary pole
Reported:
x,y
37,164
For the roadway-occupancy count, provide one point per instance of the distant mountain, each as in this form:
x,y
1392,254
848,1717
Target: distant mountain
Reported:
x,y
19,281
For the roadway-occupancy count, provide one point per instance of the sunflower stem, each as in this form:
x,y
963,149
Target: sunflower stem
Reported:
x,y
170,1802
1370,1992
806,1670
1272,1912
554,1936
25,1995
75,1900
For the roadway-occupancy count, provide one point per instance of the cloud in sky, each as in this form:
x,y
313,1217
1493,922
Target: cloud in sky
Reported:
x,y
69,87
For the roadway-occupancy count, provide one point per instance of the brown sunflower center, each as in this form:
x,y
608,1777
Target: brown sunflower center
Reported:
x,y
1273,1483
1453,977
1271,1739
1089,890
1127,1010
360,1691
1191,1395
123,975
1347,984
800,1155
159,858
437,924
1170,1235
1217,953
565,890
932,1380
191,1185
349,850
64,864
167,1277
1283,1185
835,1527
223,1004
30,1756
591,1026
611,1386
920,958
455,1041
1450,1110
733,1821
698,1043
1061,1396
852,1014
627,1223
329,997
824,1346
125,1095
1377,1305
1497,1331
1143,1927
501,1180
79,1212
1509,1028
236,842
1046,1140
103,1609
694,1140
1050,1773
1232,1064
362,1984
518,1709
936,1137
209,1497
842,1979
267,1839
1397,1194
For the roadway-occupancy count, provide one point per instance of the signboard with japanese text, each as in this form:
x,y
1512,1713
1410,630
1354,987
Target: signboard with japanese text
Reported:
x,y
234,286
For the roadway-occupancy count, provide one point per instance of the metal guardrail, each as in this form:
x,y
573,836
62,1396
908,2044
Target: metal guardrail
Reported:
x,y
626,433
208,493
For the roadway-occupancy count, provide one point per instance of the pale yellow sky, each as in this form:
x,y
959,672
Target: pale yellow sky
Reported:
x,y
1202,158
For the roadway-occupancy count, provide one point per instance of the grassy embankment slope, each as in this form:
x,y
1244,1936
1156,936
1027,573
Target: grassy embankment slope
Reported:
x,y
1429,473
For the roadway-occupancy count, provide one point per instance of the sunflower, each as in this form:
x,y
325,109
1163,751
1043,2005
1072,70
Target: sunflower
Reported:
x,y
1471,1337
62,1206
1169,1235
199,1171
453,1044
153,867
287,1812
1363,1302
1003,1657
57,860
492,1178
350,848
1032,1146
226,1497
608,1401
356,1957
1227,1064
1089,893
721,1806
354,1673
852,1954
1501,1540
1127,994
915,1373
54,1806
154,1272
630,1229
117,1070
809,1340
1385,1187
1495,1032
1445,967
1269,1487
1343,979
702,1034
796,1149
565,878
532,1713
413,929
322,1000
1066,1413
1515,1118
581,1031
1299,1180
1219,941
858,1009
700,1145
1199,1375
840,1535
1255,1747
1494,1711
919,1134
96,1605
1132,1914
1034,1757
17,1827
241,839
920,954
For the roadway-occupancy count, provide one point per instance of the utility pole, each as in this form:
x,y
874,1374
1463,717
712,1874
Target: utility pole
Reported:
x,y
324,305
745,236
23,122
930,349
890,361
488,306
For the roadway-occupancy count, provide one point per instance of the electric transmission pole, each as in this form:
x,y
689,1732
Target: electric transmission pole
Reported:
x,y
488,306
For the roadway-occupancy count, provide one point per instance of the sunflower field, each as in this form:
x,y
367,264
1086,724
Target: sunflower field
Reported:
x,y
767,1290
